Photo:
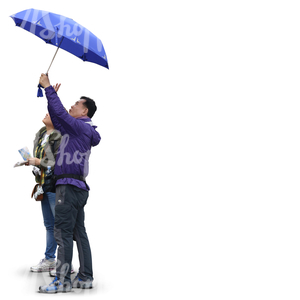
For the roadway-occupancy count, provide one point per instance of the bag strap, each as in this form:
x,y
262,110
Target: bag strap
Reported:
x,y
78,177
42,170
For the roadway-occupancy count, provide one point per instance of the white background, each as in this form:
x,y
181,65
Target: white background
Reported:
x,y
195,184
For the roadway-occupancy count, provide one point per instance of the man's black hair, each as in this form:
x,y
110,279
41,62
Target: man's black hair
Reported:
x,y
90,105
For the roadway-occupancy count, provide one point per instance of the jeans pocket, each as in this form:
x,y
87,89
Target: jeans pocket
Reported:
x,y
60,194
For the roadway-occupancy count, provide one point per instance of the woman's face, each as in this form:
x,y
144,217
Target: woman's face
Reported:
x,y
47,120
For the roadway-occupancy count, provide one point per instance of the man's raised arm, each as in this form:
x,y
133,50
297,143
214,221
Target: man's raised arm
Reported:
x,y
60,117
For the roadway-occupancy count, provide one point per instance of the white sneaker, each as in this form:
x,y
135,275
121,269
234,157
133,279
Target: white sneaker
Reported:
x,y
56,287
52,273
44,266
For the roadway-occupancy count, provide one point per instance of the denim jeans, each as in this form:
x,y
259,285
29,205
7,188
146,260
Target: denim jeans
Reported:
x,y
48,209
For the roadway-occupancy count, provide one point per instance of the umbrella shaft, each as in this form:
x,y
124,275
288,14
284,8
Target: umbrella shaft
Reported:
x,y
55,55
52,60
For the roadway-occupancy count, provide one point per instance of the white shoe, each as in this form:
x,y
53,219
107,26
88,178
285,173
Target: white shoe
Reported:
x,y
52,273
44,265
56,287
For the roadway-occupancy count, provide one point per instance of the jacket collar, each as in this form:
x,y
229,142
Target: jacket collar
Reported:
x,y
86,120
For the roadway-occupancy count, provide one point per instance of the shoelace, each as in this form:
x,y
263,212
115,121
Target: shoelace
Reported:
x,y
41,262
55,282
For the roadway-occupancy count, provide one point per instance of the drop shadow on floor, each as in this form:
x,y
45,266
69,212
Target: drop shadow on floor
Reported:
x,y
31,281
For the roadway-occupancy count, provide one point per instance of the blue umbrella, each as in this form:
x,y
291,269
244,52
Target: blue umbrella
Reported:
x,y
63,33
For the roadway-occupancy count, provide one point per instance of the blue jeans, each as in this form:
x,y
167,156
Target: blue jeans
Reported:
x,y
48,209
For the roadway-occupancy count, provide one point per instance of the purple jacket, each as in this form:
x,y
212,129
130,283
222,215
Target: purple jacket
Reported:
x,y
78,137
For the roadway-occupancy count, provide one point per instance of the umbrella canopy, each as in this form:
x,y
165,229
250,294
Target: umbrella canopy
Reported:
x,y
64,33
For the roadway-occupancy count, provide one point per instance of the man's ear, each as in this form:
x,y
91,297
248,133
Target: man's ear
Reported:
x,y
85,111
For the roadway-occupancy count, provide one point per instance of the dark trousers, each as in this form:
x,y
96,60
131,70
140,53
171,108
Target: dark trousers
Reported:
x,y
69,225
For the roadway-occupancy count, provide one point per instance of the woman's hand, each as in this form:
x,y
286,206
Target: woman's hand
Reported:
x,y
56,87
33,162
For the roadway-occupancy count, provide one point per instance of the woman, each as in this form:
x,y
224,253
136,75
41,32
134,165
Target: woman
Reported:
x,y
46,145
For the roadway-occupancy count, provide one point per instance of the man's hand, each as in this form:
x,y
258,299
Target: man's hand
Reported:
x,y
33,162
56,87
44,81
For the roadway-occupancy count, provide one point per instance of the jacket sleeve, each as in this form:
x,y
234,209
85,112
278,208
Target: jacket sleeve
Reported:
x,y
60,118
35,142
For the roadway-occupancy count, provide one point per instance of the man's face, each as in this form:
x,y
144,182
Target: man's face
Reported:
x,y
78,109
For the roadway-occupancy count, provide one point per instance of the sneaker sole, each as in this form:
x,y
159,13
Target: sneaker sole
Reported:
x,y
55,292
42,270
72,272
65,289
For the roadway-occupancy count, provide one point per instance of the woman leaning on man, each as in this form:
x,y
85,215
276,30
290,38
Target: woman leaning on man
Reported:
x,y
46,145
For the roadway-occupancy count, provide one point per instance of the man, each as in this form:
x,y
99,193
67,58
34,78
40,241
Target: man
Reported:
x,y
71,169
